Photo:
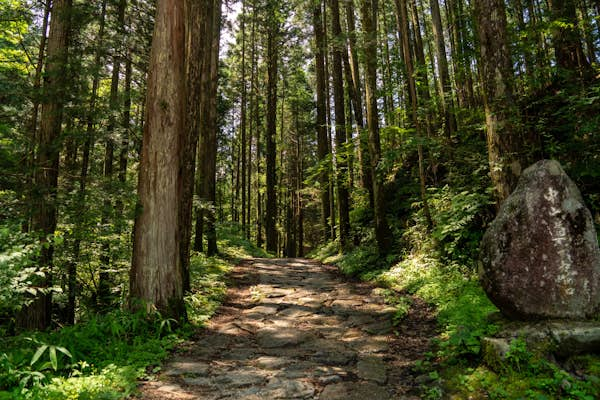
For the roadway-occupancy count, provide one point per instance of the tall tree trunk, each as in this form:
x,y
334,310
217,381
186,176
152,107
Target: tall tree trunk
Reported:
x,y
340,128
463,79
442,62
36,100
38,315
357,104
126,124
85,162
501,113
254,131
299,216
332,169
105,282
322,140
382,230
401,7
206,180
156,275
210,183
243,116
195,54
272,77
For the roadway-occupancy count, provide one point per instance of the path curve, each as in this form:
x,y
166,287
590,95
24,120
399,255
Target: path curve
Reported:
x,y
296,329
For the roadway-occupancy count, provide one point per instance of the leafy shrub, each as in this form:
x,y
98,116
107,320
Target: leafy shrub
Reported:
x,y
17,252
457,218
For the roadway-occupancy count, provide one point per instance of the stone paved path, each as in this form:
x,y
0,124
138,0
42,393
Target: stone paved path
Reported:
x,y
294,329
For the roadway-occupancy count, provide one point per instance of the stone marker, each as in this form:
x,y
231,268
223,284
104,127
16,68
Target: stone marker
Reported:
x,y
540,257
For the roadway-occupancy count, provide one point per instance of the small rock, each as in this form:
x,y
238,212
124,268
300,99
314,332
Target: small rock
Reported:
x,y
170,388
326,380
262,310
278,388
354,391
202,381
241,378
189,368
269,362
372,369
379,328
280,337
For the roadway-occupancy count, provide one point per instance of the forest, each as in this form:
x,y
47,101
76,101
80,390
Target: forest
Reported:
x,y
147,148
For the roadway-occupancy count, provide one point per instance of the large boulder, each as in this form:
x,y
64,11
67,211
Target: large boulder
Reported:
x,y
540,257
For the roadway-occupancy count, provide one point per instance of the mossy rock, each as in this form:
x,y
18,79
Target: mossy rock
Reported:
x,y
543,340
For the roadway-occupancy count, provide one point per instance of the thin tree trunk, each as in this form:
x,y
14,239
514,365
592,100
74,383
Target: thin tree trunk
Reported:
x,y
382,230
85,161
209,129
357,104
105,283
442,62
272,77
195,53
340,129
322,140
401,7
243,116
501,114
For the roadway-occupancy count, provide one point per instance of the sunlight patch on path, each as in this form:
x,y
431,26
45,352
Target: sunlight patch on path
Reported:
x,y
293,329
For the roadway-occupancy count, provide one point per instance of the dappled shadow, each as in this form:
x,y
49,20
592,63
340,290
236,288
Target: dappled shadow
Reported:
x,y
290,328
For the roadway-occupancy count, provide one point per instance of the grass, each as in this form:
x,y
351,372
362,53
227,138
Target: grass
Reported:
x,y
105,356
463,312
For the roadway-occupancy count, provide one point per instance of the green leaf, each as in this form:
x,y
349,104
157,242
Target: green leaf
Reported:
x,y
64,351
38,353
53,359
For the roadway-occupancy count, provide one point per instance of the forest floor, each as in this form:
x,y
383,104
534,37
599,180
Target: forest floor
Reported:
x,y
297,329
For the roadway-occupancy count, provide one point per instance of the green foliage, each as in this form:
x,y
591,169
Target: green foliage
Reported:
x,y
52,354
17,252
457,217
102,357
526,376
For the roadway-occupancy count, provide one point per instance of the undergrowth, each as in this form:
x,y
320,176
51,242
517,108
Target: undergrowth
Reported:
x,y
103,357
439,267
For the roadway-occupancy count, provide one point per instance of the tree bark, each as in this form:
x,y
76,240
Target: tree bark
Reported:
x,y
105,299
442,62
272,64
206,180
497,78
195,50
401,8
340,128
156,274
210,183
36,100
322,140
357,105
243,116
382,230
38,314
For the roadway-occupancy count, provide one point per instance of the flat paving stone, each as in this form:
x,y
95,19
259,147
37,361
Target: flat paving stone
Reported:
x,y
372,369
190,368
291,330
280,337
354,391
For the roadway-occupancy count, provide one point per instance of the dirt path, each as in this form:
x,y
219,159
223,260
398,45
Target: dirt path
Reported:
x,y
294,329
